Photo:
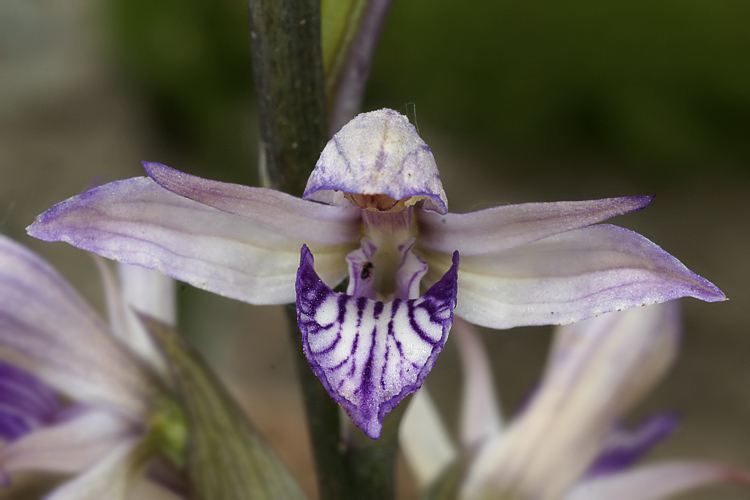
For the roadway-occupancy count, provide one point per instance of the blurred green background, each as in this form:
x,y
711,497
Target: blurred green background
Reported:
x,y
652,88
519,101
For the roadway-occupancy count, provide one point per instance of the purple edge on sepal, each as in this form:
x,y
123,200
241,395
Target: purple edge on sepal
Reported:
x,y
154,169
640,201
42,229
308,283
712,293
166,177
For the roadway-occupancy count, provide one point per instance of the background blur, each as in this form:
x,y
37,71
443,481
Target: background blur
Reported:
x,y
520,101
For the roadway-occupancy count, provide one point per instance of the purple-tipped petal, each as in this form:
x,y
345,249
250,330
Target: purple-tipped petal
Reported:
x,y
410,273
598,370
657,482
273,210
25,403
138,222
378,152
369,355
501,228
569,277
47,329
623,447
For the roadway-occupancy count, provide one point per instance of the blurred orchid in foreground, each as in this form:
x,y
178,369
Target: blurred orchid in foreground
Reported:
x,y
374,209
108,429
566,443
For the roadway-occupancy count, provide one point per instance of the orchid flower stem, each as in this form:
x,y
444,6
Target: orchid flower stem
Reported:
x,y
288,69
291,107
287,63
372,462
324,424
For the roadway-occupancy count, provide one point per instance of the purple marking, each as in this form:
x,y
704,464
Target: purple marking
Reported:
x,y
378,310
341,154
380,158
624,447
25,402
13,427
332,346
416,327
389,347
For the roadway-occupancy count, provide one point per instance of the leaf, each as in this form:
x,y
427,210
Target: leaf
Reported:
x,y
226,457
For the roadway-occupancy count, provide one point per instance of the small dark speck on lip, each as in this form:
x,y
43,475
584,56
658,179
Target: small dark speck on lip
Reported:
x,y
366,270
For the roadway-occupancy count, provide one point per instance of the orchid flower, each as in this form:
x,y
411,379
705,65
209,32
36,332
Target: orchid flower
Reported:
x,y
375,210
566,443
74,397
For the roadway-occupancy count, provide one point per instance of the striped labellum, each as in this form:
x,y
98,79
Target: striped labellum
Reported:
x,y
369,354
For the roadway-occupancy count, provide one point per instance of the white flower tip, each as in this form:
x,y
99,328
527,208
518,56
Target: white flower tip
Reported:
x,y
378,153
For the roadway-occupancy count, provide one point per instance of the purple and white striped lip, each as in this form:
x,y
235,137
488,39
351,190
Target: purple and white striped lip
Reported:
x,y
381,163
25,403
369,354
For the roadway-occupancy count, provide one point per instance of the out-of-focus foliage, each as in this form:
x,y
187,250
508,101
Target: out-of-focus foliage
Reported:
x,y
661,84
190,61
655,87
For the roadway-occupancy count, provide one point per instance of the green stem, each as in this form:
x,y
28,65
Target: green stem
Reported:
x,y
285,37
288,69
287,63
324,424
373,462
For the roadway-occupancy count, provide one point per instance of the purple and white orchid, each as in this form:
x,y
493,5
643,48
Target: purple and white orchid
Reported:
x,y
567,442
375,210
52,344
